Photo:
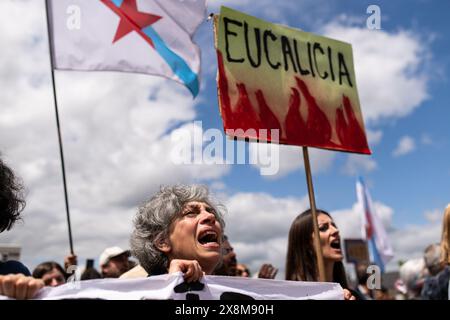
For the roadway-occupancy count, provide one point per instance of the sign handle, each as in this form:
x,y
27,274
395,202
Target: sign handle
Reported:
x,y
312,201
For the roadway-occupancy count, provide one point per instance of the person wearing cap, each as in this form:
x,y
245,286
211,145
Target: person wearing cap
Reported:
x,y
180,229
114,262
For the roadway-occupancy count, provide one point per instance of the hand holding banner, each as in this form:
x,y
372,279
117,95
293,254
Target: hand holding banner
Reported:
x,y
172,286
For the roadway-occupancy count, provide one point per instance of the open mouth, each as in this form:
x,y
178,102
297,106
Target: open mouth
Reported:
x,y
208,238
336,244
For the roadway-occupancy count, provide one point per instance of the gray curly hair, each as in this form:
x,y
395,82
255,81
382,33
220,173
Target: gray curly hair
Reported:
x,y
152,222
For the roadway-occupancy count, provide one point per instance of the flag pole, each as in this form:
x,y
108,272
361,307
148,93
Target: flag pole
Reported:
x,y
312,201
61,153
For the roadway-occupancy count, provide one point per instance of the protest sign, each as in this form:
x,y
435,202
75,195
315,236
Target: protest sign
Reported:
x,y
356,251
275,77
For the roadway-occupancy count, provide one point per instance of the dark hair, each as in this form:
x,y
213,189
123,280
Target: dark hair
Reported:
x,y
45,267
361,273
90,273
11,198
301,263
153,220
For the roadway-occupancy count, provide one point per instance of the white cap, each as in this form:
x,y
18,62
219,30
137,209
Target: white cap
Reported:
x,y
109,253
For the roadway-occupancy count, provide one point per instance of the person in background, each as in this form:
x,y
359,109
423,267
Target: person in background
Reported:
x,y
229,262
114,262
90,272
437,287
15,280
180,229
444,275
301,263
51,273
362,290
382,294
242,271
70,264
412,276
267,271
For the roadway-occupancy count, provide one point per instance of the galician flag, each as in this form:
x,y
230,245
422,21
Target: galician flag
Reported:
x,y
143,36
373,230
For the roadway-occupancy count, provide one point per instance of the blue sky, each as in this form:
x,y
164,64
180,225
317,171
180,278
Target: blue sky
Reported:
x,y
117,140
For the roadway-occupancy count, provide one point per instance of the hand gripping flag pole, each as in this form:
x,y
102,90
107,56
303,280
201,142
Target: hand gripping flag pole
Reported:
x,y
58,127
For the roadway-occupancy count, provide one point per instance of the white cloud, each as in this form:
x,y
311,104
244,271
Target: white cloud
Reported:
x,y
426,139
358,164
258,225
410,242
349,221
433,216
388,69
374,136
405,145
290,159
260,8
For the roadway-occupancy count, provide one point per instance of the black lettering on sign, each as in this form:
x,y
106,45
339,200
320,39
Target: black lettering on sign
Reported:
x,y
330,61
257,43
268,33
310,60
264,47
303,72
343,71
287,52
228,32
316,48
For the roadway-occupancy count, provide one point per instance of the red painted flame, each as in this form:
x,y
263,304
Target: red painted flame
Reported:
x,y
316,131
317,125
349,131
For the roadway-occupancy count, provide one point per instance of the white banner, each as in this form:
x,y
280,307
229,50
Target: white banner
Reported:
x,y
172,286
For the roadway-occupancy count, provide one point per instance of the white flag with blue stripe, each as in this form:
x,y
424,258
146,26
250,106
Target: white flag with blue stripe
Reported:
x,y
373,231
143,36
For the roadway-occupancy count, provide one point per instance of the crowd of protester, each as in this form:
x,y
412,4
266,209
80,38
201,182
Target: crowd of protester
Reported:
x,y
181,228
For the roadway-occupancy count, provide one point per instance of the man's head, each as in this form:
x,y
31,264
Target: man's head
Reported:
x,y
11,198
361,273
432,256
114,262
179,222
229,258
242,270
229,263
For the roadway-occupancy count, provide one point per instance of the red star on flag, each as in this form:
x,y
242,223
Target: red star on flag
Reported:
x,y
131,19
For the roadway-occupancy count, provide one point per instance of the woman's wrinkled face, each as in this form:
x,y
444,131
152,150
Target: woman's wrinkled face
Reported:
x,y
196,235
329,238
